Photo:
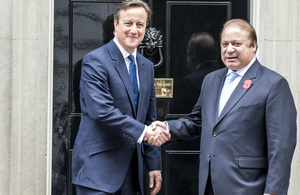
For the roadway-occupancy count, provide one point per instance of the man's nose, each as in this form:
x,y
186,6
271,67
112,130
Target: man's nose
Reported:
x,y
230,48
133,29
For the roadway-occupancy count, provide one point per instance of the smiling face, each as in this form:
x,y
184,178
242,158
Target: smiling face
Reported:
x,y
130,29
236,49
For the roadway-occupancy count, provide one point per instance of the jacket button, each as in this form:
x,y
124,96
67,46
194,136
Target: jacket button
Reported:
x,y
133,147
215,134
208,155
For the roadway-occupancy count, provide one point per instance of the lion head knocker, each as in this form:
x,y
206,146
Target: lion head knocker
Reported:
x,y
151,44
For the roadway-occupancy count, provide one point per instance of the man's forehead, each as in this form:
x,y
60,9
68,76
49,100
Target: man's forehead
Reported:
x,y
232,39
235,34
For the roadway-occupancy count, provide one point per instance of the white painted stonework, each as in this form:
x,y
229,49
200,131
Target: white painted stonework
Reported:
x,y
26,47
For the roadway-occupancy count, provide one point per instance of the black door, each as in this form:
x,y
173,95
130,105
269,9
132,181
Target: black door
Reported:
x,y
84,25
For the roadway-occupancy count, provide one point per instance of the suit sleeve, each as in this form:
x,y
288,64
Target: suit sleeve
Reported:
x,y
281,136
189,127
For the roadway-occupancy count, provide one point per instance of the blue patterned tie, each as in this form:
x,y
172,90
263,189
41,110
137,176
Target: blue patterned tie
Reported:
x,y
133,78
227,90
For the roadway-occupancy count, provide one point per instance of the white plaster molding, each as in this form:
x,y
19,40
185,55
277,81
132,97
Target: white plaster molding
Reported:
x,y
50,98
256,21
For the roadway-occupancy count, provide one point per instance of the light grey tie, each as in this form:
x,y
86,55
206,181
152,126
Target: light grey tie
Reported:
x,y
227,90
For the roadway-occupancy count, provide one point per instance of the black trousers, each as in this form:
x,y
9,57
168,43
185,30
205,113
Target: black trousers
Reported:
x,y
129,187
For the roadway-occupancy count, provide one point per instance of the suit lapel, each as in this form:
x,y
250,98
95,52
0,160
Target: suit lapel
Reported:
x,y
142,80
120,66
219,85
239,91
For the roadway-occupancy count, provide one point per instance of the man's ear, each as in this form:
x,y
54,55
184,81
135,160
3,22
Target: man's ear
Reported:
x,y
254,47
115,23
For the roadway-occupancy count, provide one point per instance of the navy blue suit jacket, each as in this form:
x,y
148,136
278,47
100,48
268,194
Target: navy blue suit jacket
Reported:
x,y
251,144
110,126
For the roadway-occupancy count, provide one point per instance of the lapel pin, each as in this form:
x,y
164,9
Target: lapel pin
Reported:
x,y
247,84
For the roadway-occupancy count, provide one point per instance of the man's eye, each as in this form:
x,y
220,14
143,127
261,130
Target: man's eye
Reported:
x,y
140,25
237,44
224,44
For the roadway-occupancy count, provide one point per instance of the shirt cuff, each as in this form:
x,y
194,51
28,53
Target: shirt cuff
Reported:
x,y
168,128
142,136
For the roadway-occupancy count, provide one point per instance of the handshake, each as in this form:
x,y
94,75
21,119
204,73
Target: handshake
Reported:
x,y
157,134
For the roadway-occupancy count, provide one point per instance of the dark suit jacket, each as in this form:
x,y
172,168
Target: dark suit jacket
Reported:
x,y
251,144
187,91
110,126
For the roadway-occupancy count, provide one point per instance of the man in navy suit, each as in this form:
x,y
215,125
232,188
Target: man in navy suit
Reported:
x,y
117,98
247,142
202,55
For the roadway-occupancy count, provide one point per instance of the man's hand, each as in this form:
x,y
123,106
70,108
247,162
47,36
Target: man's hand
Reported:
x,y
156,133
159,126
155,181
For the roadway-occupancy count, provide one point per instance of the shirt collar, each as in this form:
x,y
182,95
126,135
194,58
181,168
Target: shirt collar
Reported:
x,y
125,54
243,70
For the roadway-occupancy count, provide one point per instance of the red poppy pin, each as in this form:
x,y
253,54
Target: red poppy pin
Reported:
x,y
247,84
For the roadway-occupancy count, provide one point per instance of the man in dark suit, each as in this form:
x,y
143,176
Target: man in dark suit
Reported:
x,y
202,54
246,145
117,98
